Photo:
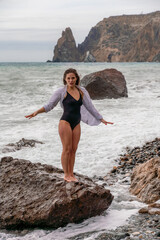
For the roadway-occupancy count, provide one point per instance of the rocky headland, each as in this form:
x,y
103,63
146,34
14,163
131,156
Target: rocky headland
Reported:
x,y
126,38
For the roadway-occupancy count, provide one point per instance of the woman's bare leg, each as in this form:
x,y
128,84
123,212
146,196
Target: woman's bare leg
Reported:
x,y
65,133
75,140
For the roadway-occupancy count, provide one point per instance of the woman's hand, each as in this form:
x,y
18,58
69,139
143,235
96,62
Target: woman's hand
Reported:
x,y
41,110
105,122
32,115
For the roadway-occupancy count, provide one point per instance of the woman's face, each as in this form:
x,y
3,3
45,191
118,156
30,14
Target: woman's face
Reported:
x,y
71,79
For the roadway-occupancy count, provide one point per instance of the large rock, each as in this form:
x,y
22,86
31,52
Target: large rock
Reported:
x,y
36,195
66,50
108,83
145,181
12,147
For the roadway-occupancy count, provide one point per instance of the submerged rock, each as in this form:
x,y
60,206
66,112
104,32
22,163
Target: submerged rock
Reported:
x,y
36,195
12,147
145,181
108,83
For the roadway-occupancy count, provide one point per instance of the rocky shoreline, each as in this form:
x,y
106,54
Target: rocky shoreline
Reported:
x,y
128,161
142,225
135,156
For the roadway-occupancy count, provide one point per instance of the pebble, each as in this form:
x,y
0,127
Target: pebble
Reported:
x,y
135,233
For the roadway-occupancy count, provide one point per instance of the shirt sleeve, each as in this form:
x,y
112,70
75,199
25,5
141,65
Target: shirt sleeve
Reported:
x,y
89,105
53,101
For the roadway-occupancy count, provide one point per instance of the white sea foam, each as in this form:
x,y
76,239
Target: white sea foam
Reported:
x,y
26,87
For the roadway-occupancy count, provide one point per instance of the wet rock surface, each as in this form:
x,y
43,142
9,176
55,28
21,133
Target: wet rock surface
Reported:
x,y
145,181
36,195
12,147
108,83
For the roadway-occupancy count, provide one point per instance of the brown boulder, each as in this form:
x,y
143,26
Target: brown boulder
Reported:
x,y
145,181
36,195
108,83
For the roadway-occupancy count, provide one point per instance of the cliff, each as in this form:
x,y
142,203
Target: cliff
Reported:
x,y
126,38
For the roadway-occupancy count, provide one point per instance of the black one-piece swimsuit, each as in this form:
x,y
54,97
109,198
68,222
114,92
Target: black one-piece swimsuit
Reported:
x,y
71,112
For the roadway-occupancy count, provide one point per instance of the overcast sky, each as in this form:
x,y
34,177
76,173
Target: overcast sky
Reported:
x,y
29,29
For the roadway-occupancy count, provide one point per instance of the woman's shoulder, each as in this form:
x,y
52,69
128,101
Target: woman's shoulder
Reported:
x,y
60,89
85,92
82,89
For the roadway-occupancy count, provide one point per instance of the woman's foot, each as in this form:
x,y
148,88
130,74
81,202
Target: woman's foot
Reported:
x,y
70,179
67,178
73,179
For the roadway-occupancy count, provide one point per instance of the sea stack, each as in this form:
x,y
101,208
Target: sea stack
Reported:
x,y
66,50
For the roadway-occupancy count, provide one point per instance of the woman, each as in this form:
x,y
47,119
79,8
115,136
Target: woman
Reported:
x,y
77,106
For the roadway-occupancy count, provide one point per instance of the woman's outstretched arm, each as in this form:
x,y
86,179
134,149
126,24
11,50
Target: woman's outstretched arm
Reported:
x,y
41,110
51,104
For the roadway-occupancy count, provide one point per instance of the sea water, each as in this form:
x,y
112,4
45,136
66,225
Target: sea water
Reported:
x,y
26,87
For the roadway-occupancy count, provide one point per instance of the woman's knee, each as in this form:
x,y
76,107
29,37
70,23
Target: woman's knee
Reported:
x,y
67,150
74,149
